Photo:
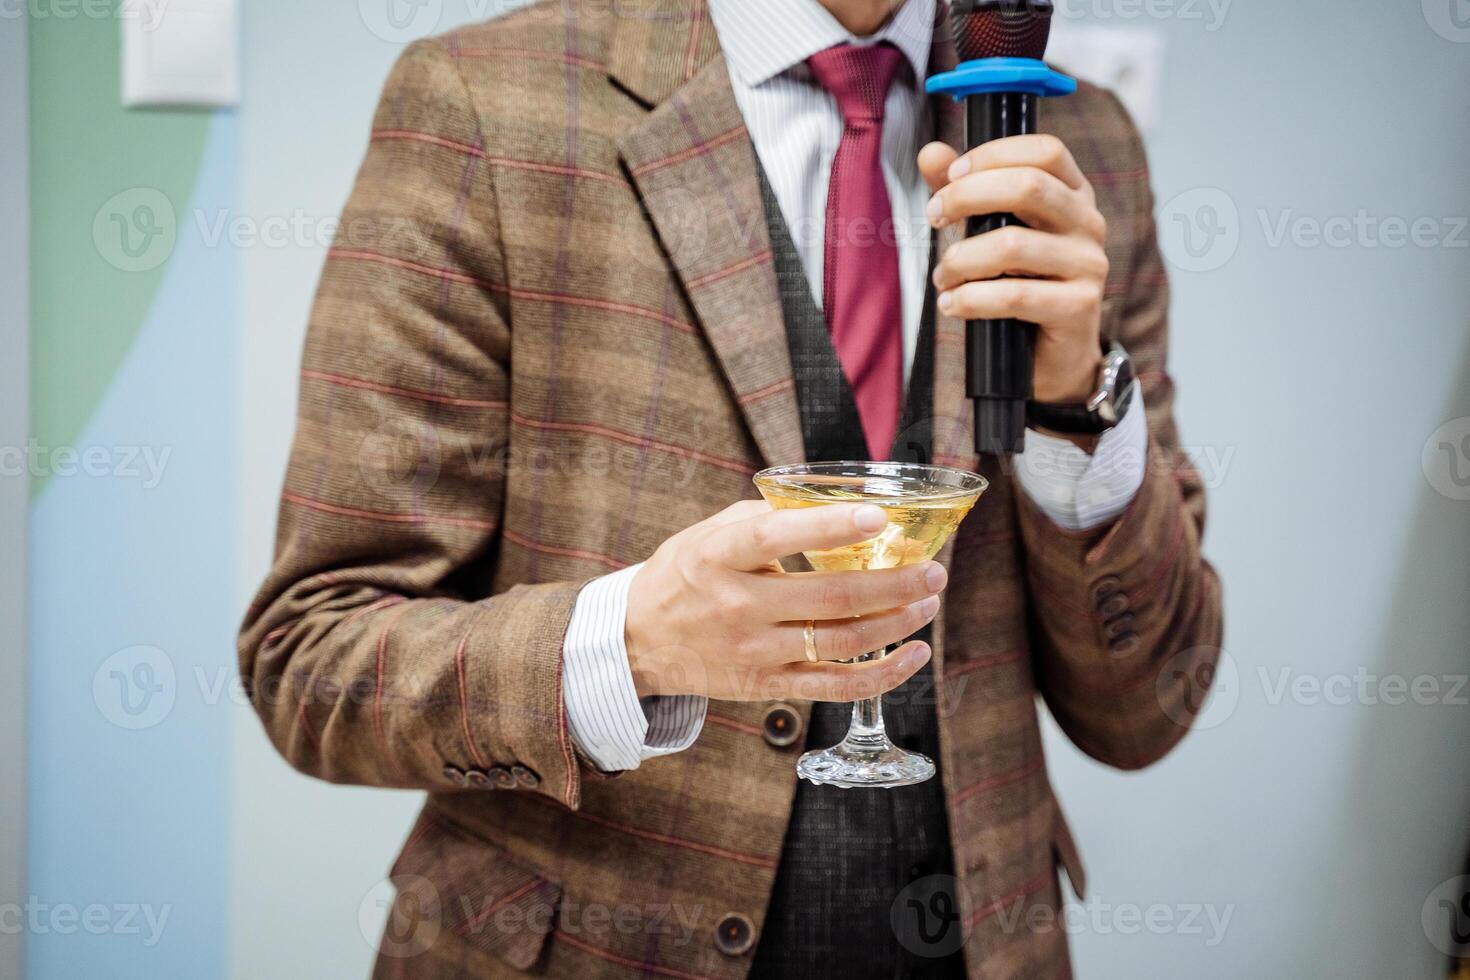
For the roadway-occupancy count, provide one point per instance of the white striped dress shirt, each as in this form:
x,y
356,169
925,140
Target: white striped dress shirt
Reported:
x,y
795,126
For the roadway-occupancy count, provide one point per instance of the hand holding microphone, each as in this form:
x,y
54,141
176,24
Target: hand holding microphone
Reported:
x,y
1029,277
1054,264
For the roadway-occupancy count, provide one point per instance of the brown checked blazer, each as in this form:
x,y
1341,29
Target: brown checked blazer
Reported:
x,y
547,338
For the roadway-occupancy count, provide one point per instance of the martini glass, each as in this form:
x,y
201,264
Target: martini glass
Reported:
x,y
924,505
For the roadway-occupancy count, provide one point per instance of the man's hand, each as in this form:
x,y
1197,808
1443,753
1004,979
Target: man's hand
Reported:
x,y
712,613
1059,257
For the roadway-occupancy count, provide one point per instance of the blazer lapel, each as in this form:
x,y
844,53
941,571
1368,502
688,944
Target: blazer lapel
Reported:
x,y
695,169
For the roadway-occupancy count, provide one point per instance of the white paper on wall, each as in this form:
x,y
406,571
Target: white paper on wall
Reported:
x,y
180,53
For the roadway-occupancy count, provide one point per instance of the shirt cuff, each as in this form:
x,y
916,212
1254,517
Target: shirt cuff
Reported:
x,y
1079,491
610,724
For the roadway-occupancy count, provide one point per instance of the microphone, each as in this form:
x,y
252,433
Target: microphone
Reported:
x,y
1001,79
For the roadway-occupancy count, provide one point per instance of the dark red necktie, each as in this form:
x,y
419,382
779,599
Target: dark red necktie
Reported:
x,y
860,292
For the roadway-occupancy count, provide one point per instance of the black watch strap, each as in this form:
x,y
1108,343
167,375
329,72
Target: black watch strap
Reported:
x,y
1097,415
1073,419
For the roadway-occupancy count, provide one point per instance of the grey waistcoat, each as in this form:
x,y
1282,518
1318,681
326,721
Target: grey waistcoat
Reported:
x,y
855,861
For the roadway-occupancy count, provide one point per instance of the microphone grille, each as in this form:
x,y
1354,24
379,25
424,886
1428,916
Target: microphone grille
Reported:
x,y
1000,28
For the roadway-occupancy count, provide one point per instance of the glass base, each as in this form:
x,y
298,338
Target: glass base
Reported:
x,y
857,762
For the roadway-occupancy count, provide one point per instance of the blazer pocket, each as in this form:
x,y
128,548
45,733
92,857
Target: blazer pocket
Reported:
x,y
475,890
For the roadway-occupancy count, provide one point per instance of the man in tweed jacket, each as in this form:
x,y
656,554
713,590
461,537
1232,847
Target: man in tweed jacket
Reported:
x,y
554,286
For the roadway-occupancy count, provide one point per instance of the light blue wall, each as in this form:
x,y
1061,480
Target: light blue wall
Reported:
x,y
1315,375
132,613
132,472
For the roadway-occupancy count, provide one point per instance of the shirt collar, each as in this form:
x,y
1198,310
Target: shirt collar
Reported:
x,y
763,38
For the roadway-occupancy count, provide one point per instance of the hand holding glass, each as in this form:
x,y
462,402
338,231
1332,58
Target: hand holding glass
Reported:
x,y
925,505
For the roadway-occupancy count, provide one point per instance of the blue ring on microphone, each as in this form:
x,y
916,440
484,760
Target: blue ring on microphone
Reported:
x,y
984,75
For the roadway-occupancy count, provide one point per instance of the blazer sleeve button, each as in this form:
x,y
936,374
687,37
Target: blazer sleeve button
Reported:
x,y
1104,587
781,725
1124,645
735,935
524,777
453,774
478,779
502,778
1118,626
1112,606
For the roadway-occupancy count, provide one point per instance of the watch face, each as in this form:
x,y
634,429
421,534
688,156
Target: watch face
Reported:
x,y
1116,387
1125,372
1125,396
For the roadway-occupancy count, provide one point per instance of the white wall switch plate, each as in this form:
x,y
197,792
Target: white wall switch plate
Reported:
x,y
180,53
1128,60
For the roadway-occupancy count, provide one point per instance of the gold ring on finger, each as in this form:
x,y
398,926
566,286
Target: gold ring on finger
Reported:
x,y
810,635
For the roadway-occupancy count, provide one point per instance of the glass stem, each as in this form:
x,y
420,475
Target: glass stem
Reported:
x,y
866,730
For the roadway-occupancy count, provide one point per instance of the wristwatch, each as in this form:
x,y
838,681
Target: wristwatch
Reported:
x,y
1100,412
